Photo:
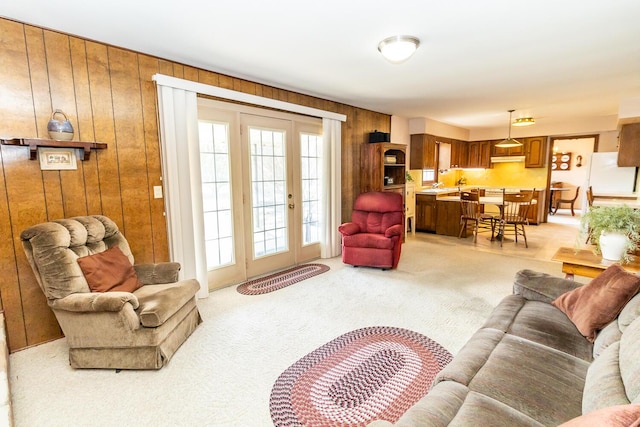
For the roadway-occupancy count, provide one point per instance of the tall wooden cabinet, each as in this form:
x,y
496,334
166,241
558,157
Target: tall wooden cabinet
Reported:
x,y
383,167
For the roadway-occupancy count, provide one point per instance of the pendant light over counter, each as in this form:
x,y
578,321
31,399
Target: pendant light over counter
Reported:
x,y
509,142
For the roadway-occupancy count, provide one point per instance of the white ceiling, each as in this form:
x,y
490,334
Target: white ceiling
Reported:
x,y
560,61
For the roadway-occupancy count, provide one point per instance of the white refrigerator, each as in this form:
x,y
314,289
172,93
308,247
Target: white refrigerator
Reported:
x,y
605,177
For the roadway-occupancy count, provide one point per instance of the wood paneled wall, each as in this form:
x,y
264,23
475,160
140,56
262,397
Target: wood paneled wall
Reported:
x,y
108,95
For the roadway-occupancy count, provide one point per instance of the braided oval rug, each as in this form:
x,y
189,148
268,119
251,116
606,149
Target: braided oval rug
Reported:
x,y
374,373
281,279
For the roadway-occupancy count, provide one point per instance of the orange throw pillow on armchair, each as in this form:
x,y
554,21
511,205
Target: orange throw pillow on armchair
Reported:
x,y
109,271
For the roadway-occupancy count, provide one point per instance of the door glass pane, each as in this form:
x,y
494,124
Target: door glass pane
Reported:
x,y
216,193
268,184
310,157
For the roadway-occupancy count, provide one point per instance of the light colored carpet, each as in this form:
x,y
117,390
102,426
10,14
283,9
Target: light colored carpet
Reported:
x,y
223,374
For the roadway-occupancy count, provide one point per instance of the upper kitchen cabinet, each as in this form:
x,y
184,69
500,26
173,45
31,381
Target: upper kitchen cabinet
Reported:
x,y
535,152
459,154
479,154
501,151
382,167
629,145
423,151
533,149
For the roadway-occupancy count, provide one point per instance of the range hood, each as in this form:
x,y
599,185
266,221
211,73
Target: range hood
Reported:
x,y
507,159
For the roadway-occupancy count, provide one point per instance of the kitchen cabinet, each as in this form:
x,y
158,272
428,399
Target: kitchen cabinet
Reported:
x,y
479,154
382,167
448,217
423,151
536,213
535,152
459,154
501,151
629,145
426,212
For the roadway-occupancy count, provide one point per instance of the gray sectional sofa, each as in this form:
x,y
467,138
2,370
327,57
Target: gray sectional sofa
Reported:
x,y
529,366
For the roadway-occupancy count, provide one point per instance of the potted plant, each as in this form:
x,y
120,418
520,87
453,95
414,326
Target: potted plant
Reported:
x,y
615,230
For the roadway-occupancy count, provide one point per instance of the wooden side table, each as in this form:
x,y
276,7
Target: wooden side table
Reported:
x,y
585,263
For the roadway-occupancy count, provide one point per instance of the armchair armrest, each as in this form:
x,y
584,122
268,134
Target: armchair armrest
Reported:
x,y
394,230
95,301
349,228
155,274
536,286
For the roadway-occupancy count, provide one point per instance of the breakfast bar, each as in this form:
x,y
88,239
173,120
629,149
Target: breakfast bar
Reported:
x,y
438,210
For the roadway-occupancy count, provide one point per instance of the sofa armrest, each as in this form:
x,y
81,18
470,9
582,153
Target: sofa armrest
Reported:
x,y
154,274
394,230
536,286
349,228
95,301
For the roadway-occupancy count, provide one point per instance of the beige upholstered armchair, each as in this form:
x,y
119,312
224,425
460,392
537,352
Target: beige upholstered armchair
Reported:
x,y
139,324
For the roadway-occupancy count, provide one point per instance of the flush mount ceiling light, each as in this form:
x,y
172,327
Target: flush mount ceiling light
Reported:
x,y
398,49
509,142
524,121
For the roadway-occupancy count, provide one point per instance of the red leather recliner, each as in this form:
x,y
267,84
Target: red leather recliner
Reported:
x,y
373,238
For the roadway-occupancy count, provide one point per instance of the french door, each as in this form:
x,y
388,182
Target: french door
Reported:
x,y
268,183
261,180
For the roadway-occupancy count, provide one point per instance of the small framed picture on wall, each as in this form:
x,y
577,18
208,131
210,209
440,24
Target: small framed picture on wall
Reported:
x,y
57,158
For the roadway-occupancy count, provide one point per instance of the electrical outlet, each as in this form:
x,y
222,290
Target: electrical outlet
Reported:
x,y
157,192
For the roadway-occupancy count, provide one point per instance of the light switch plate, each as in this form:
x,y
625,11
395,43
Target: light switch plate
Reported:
x,y
157,192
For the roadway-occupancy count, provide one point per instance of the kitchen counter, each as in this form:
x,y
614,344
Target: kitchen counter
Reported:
x,y
438,190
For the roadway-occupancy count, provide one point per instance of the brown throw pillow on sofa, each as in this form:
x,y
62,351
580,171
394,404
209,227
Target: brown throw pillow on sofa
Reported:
x,y
613,416
109,271
594,305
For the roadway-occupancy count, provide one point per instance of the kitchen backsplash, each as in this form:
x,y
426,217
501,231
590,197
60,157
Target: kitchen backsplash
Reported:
x,y
500,175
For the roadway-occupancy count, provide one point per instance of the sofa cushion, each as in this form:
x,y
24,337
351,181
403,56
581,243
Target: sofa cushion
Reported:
x,y
537,286
109,271
451,404
613,331
540,382
630,361
541,323
607,336
603,385
612,416
594,305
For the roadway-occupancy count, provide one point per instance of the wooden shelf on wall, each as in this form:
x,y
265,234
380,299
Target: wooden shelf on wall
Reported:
x,y
34,143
